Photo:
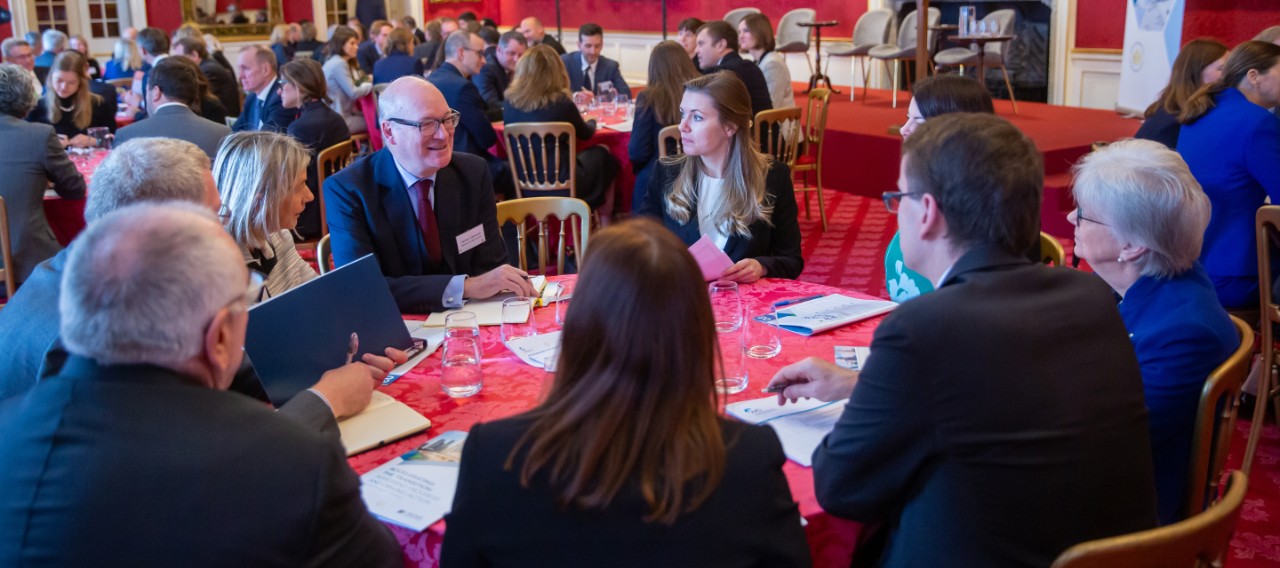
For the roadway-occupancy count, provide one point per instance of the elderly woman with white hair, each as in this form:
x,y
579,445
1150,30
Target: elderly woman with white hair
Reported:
x,y
1140,222
262,178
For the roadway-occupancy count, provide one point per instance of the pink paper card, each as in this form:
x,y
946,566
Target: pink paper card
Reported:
x,y
711,259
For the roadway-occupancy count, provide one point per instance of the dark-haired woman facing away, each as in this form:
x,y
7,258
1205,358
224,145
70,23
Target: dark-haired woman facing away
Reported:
x,y
628,461
1199,63
657,106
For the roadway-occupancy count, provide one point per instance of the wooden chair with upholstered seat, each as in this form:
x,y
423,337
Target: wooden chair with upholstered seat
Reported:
x,y
1051,252
1267,229
814,133
328,162
1216,422
543,209
669,137
6,253
1202,540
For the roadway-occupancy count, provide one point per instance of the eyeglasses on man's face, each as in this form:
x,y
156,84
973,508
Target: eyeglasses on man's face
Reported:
x,y
430,126
893,198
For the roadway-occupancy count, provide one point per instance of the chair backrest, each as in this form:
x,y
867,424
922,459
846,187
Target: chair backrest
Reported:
x,y
935,16
1005,21
6,253
907,31
815,129
324,255
873,27
542,155
669,137
1215,422
329,162
778,133
791,34
734,16
1051,252
1202,540
543,209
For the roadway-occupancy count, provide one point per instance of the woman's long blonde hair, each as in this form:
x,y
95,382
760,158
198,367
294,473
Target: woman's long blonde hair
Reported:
x,y
745,199
540,80
84,99
254,173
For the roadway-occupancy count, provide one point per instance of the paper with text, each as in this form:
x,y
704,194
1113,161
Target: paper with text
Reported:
x,y
829,312
471,239
416,489
536,350
711,259
800,426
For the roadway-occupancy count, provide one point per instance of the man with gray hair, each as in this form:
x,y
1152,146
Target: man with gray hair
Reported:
x,y
137,432
53,42
33,158
475,133
425,212
140,171
19,52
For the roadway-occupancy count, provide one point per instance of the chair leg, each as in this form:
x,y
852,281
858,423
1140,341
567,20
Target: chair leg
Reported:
x,y
1009,85
866,77
1265,380
822,205
894,90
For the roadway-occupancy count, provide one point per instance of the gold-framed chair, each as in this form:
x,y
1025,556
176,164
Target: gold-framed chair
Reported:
x,y
669,137
1267,223
815,132
6,253
328,162
324,255
1202,540
540,167
1051,252
542,209
1216,422
777,132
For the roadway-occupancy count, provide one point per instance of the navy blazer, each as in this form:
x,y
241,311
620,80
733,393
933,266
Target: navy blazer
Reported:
x,y
606,70
1180,333
751,75
367,56
188,463
977,434
643,148
775,244
275,117
493,80
222,83
395,66
368,209
317,127
1161,127
496,521
551,41
475,133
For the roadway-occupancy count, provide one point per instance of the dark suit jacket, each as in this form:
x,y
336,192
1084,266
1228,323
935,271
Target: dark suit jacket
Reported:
x,y
986,439
750,520
475,134
643,148
606,70
492,81
178,121
275,117
426,52
752,76
222,84
369,211
30,158
367,56
395,66
551,41
1161,127
194,475
317,127
775,245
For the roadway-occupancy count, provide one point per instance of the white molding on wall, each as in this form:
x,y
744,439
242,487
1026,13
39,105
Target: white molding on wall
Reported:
x,y
1092,79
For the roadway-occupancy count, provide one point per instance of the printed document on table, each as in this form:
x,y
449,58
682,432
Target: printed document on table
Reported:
x,y
536,350
800,426
829,312
487,311
416,489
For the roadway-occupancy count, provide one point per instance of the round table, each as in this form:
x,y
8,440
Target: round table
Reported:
x,y
982,41
66,216
512,387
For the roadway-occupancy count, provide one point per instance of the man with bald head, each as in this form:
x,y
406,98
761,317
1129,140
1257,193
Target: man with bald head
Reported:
x,y
137,431
427,213
535,34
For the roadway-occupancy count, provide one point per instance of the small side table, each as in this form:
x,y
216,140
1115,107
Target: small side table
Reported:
x,y
982,41
818,75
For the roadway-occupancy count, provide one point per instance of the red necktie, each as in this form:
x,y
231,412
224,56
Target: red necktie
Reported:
x,y
427,220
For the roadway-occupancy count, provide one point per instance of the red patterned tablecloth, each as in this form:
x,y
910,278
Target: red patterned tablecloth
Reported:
x,y
66,216
616,142
511,387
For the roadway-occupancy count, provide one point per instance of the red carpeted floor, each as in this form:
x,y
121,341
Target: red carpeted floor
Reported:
x,y
850,255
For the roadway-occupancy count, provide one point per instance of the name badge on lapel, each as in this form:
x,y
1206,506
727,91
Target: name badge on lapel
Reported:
x,y
471,239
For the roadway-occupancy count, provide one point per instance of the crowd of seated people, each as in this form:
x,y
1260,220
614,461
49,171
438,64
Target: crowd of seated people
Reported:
x,y
200,219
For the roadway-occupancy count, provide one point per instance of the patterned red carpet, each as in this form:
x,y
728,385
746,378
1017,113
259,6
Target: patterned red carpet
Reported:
x,y
850,255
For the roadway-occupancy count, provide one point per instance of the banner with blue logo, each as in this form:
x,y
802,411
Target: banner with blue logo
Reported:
x,y
1152,37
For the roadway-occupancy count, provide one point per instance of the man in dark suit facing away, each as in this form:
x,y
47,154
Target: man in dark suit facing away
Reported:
x,y
587,68
263,109
222,83
427,213
999,419
169,96
717,47
137,431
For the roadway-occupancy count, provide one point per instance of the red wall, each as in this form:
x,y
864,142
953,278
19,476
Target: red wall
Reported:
x,y
1100,23
164,14
646,15
6,30
482,9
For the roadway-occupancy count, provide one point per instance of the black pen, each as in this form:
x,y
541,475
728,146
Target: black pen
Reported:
x,y
777,388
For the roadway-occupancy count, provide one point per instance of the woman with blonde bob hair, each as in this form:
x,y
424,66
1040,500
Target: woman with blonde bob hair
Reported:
x,y
723,188
628,458
262,178
70,104
539,92
1140,224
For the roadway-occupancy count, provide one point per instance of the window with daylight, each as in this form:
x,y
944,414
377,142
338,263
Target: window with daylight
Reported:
x,y
52,14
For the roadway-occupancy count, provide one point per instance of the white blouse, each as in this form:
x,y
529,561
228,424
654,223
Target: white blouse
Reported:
x,y
710,191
